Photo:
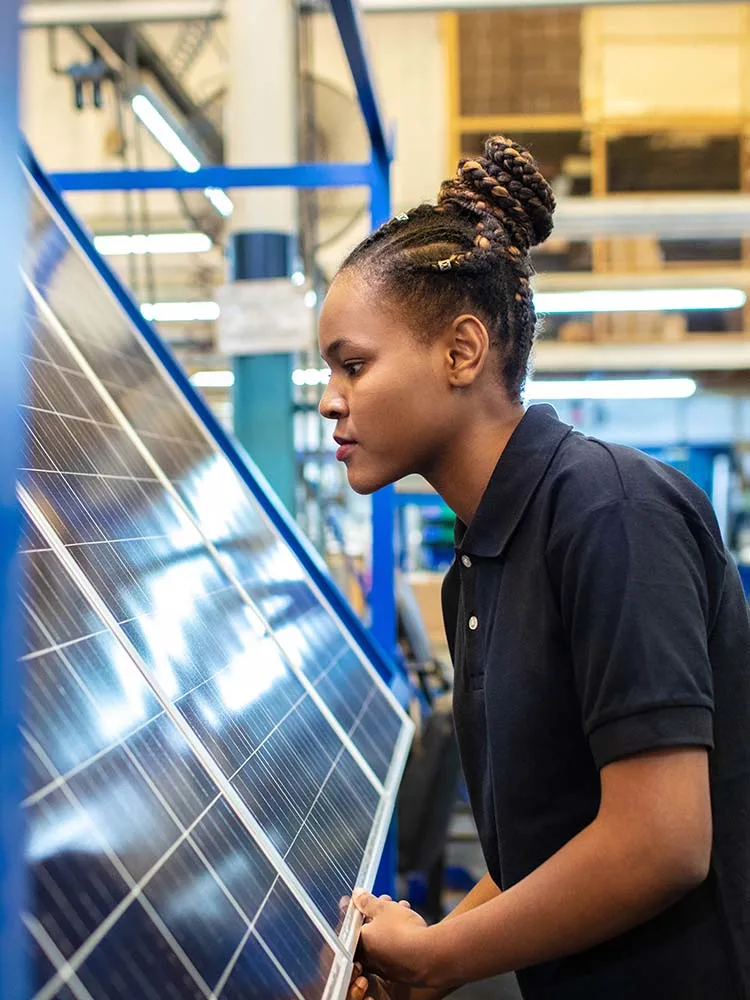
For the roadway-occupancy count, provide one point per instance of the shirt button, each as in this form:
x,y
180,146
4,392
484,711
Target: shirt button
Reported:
x,y
473,623
466,561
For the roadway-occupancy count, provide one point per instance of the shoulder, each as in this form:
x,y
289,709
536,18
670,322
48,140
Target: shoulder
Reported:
x,y
590,479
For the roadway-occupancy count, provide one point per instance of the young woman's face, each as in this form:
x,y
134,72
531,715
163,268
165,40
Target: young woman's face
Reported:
x,y
388,392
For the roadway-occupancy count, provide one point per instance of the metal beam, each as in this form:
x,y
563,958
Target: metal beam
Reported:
x,y
667,216
692,277
298,175
346,15
50,13
410,6
694,354
40,14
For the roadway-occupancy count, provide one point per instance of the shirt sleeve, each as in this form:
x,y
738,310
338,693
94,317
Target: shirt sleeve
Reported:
x,y
634,602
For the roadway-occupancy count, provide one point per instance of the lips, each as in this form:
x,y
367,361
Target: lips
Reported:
x,y
346,447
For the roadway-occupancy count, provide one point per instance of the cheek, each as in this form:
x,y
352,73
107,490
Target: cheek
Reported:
x,y
386,399
401,413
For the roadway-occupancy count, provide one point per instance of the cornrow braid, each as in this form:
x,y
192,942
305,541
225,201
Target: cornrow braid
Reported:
x,y
470,252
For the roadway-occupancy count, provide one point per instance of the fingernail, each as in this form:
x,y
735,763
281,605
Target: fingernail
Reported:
x,y
362,983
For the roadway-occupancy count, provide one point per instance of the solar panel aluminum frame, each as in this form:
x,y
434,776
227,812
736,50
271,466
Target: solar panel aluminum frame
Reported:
x,y
13,983
318,578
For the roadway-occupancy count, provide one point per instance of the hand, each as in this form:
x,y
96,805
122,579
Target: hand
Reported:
x,y
372,987
393,940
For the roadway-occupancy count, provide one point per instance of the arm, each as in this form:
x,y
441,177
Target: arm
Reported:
x,y
648,846
482,893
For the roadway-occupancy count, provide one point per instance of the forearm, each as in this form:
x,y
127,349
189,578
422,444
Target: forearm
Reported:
x,y
598,885
483,892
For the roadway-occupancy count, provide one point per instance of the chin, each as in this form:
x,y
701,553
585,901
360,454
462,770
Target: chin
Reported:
x,y
365,484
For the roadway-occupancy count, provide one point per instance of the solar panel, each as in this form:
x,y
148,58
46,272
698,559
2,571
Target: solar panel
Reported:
x,y
212,760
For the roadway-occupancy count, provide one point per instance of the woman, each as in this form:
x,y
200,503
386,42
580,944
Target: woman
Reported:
x,y
598,629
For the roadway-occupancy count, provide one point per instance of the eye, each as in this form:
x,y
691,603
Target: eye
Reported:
x,y
352,368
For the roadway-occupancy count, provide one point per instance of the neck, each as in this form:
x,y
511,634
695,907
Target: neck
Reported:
x,y
462,472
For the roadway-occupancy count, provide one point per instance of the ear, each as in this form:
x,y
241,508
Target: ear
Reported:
x,y
468,345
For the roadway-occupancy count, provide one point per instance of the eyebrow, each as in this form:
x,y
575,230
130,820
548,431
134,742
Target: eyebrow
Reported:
x,y
334,348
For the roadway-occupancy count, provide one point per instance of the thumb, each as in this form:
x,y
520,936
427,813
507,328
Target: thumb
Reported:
x,y
367,904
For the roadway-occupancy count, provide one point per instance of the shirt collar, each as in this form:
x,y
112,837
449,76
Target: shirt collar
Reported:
x,y
519,471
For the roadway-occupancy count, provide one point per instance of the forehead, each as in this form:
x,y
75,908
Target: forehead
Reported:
x,y
356,312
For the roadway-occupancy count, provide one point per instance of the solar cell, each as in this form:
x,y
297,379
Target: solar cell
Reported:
x,y
129,835
177,442
211,759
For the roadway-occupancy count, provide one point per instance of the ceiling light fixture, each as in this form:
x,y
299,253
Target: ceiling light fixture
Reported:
x,y
619,388
147,112
213,379
640,300
118,245
180,312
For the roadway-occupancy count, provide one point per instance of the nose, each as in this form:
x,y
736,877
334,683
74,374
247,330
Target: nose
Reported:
x,y
332,404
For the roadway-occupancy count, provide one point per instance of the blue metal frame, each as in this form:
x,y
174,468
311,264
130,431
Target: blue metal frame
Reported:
x,y
13,982
376,176
298,175
346,14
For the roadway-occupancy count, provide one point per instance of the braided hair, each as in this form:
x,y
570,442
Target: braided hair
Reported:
x,y
470,252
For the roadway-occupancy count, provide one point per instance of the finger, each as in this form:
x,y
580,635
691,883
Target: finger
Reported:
x,y
367,904
405,903
358,989
386,897
357,970
344,903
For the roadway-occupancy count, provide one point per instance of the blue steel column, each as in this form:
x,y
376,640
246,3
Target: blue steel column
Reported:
x,y
261,128
13,983
262,395
383,594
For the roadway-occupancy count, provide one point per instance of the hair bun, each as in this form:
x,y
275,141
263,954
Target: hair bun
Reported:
x,y
506,183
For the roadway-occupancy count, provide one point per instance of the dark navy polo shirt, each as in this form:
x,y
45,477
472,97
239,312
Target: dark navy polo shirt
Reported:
x,y
592,612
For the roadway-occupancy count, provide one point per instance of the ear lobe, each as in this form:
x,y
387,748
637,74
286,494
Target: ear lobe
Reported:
x,y
468,350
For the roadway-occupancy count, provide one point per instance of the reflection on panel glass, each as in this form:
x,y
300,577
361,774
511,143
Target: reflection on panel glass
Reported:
x,y
213,492
209,654
144,882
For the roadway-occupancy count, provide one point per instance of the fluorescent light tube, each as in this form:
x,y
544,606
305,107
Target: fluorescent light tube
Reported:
x,y
641,300
620,388
213,379
311,376
163,132
220,200
180,312
141,243
617,388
